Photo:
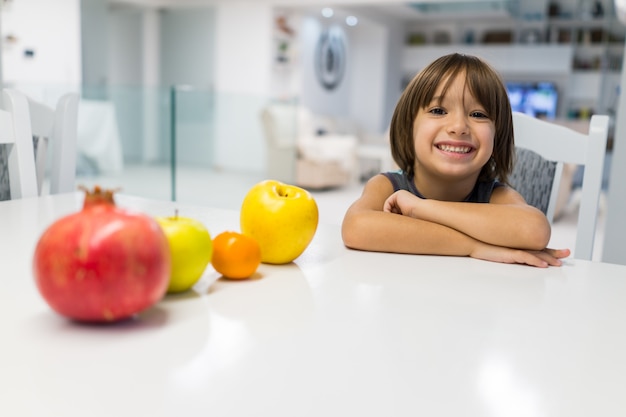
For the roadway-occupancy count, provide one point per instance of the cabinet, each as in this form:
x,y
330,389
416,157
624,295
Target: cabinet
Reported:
x,y
576,44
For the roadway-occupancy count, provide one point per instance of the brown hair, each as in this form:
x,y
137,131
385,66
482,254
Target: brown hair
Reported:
x,y
484,84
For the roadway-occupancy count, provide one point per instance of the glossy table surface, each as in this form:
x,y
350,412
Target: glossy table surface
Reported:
x,y
336,333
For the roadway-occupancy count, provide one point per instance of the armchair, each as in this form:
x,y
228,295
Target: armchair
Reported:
x,y
301,154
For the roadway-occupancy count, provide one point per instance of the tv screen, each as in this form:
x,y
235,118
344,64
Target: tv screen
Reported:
x,y
535,99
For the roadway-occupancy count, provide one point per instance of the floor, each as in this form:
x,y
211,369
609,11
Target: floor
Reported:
x,y
227,190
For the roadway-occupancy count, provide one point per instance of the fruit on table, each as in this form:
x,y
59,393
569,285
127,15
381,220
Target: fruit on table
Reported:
x,y
191,249
103,263
282,218
235,255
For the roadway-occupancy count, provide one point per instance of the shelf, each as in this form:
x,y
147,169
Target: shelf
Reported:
x,y
582,56
592,23
540,59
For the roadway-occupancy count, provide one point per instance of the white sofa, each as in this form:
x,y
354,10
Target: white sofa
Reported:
x,y
306,150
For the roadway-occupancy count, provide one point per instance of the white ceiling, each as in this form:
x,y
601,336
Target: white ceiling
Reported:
x,y
389,8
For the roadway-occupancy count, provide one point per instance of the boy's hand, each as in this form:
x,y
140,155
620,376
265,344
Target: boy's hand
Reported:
x,y
540,259
401,202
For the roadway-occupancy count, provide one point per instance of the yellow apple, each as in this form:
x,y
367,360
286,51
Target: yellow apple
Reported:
x,y
191,248
281,217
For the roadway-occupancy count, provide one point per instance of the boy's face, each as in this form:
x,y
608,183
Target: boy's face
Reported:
x,y
453,136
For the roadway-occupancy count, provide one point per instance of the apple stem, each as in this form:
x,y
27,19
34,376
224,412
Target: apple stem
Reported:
x,y
176,213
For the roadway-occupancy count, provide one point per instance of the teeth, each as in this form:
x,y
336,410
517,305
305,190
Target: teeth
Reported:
x,y
457,149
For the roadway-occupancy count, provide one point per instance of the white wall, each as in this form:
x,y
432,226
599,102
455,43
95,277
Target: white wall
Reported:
x,y
313,95
51,29
361,95
148,52
243,48
242,61
125,51
187,42
94,40
125,78
151,58
393,81
368,74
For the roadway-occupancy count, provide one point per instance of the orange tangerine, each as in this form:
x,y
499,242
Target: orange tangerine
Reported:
x,y
235,255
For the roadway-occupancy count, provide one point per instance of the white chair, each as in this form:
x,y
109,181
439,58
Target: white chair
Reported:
x,y
57,128
296,153
25,121
280,127
15,130
98,139
559,145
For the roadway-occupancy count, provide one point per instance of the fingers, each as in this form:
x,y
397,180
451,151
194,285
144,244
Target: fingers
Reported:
x,y
390,206
548,259
558,253
552,257
539,259
535,260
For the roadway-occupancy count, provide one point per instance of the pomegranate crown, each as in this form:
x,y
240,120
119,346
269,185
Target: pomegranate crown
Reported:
x,y
98,195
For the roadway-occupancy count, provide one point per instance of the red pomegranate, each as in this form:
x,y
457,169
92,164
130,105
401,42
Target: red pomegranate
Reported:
x,y
103,263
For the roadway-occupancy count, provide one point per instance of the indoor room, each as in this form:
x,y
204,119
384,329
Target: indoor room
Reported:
x,y
172,94
183,107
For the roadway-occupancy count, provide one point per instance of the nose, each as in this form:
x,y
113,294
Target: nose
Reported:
x,y
458,124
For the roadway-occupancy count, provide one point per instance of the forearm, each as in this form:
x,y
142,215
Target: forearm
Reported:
x,y
508,225
388,232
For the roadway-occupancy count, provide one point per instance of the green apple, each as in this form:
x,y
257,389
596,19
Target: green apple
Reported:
x,y
281,217
191,248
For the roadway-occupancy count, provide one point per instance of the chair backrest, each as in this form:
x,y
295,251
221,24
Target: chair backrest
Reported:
x,y
280,124
561,145
537,179
15,130
57,128
29,127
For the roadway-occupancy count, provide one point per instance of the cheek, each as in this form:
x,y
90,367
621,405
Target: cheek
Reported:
x,y
488,135
423,133
421,140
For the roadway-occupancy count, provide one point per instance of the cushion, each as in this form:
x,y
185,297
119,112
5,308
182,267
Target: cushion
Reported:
x,y
532,177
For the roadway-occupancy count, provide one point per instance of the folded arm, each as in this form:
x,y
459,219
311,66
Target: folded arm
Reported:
x,y
367,226
506,221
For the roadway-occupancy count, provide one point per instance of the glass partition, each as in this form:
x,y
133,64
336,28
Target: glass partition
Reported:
x,y
181,143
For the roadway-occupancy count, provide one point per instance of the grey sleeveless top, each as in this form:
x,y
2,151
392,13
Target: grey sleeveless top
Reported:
x,y
480,194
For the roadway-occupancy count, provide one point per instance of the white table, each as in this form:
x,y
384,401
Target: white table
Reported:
x,y
337,333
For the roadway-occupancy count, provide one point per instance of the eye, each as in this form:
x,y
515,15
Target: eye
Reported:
x,y
479,115
437,110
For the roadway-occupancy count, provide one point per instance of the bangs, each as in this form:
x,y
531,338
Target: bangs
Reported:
x,y
485,87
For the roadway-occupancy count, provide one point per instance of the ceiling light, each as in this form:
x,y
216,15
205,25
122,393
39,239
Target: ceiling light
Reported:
x,y
327,12
351,20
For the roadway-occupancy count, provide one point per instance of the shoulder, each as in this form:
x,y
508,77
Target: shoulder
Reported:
x,y
398,179
377,189
382,181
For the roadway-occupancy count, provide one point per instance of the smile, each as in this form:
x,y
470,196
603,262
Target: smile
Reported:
x,y
455,149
